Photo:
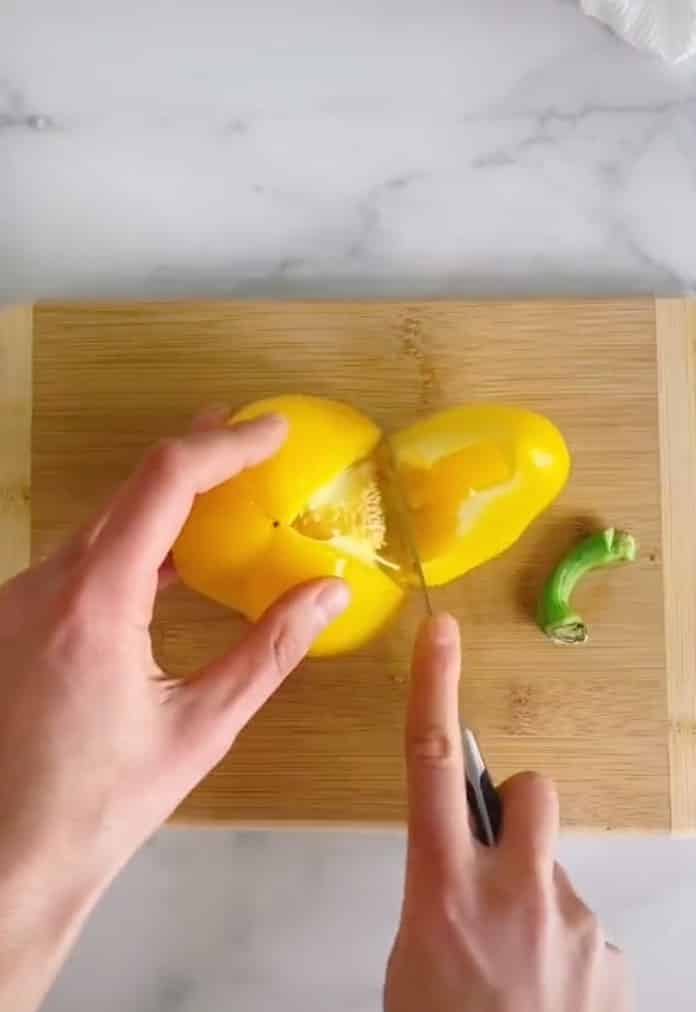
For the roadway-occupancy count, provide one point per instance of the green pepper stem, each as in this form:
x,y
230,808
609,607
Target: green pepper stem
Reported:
x,y
555,615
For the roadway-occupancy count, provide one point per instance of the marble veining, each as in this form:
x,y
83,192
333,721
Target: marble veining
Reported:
x,y
425,149
422,147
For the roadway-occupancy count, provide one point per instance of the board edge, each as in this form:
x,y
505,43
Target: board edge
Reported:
x,y
16,396
675,331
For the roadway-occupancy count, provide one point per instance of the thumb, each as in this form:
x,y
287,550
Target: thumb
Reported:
x,y
227,693
530,821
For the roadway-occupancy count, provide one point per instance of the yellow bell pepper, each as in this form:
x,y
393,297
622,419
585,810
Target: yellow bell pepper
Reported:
x,y
474,478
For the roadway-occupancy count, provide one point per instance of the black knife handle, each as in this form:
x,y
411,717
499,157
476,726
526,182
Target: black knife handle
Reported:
x,y
483,799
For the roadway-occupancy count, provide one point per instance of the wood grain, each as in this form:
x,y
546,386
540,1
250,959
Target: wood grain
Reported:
x,y
111,378
676,348
15,438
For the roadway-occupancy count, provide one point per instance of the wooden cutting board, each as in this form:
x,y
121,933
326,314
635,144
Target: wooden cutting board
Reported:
x,y
613,722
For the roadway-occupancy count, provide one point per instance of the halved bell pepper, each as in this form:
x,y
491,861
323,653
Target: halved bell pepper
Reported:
x,y
474,478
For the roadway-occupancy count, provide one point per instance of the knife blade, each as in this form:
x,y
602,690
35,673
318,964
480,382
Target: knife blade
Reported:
x,y
482,797
398,501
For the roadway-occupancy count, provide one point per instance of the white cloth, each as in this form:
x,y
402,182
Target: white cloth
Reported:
x,y
667,27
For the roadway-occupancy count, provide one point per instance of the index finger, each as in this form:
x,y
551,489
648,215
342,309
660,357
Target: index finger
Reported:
x,y
438,823
157,499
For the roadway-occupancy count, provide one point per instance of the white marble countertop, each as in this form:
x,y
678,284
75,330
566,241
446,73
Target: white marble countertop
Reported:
x,y
172,147
417,146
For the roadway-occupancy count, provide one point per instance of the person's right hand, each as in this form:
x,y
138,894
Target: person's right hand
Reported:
x,y
486,930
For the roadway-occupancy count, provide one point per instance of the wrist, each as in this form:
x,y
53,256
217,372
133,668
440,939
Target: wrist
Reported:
x,y
44,903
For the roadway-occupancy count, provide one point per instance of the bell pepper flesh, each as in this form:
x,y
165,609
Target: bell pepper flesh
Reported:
x,y
291,558
210,555
474,478
324,438
495,468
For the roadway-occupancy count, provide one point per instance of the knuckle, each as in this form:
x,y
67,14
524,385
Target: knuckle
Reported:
x,y
432,748
443,915
167,459
196,722
81,545
527,899
72,622
582,923
443,923
591,933
286,649
538,909
587,931
79,548
76,600
451,911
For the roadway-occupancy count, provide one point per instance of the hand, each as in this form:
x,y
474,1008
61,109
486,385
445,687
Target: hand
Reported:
x,y
97,745
486,930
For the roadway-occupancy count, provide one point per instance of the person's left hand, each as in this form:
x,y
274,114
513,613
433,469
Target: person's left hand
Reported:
x,y
97,744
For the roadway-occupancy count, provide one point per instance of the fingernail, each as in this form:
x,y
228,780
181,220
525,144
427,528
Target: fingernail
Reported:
x,y
332,600
443,629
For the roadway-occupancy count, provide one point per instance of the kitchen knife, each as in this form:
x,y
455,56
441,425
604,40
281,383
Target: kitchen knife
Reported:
x,y
482,797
